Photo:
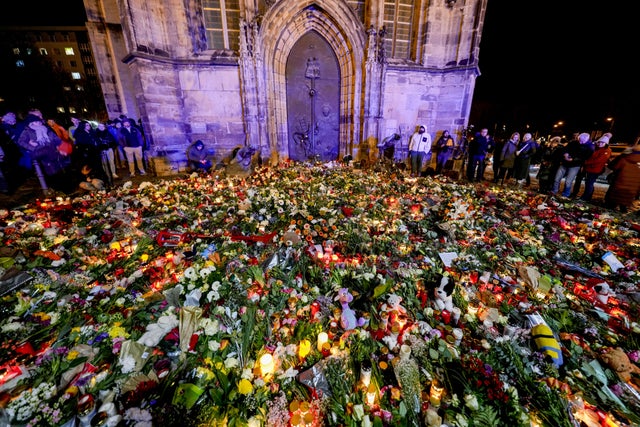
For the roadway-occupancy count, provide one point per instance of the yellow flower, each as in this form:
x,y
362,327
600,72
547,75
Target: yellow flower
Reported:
x,y
245,386
118,331
72,354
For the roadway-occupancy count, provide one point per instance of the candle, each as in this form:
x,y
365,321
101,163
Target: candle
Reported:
x,y
435,394
266,364
323,338
458,334
365,375
472,310
371,395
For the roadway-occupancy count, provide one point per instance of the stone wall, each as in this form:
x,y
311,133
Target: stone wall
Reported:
x,y
154,68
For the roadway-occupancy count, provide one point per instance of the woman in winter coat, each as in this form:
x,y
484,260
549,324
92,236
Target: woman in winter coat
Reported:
x,y
526,149
41,143
86,150
507,158
625,187
594,166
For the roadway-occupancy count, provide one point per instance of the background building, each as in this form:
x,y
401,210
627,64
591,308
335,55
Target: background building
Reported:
x,y
50,68
297,79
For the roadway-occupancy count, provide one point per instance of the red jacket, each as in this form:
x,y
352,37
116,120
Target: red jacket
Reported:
x,y
598,160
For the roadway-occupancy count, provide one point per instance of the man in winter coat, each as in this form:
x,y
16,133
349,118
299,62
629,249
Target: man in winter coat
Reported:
x,y
625,187
481,144
419,149
133,147
575,154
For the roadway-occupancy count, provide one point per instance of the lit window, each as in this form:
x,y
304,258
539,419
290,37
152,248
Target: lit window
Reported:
x,y
16,51
76,76
43,51
398,16
222,22
60,109
19,63
69,51
29,51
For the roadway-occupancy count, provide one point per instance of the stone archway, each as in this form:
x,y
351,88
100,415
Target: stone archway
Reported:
x,y
281,28
313,99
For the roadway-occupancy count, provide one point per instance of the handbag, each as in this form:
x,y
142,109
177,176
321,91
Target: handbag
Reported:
x,y
65,148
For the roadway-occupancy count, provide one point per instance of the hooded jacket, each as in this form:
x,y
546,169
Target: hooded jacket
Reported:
x,y
420,141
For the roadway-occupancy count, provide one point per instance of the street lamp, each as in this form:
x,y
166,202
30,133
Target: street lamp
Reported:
x,y
611,120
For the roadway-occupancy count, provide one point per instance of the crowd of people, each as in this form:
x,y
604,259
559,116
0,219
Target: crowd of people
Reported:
x,y
86,156
83,156
563,165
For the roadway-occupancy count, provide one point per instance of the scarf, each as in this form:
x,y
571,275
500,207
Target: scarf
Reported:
x,y
42,136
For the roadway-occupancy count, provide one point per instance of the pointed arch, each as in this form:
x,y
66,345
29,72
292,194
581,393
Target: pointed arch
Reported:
x,y
281,27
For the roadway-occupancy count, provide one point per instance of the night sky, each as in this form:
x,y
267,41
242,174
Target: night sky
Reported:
x,y
540,61
547,61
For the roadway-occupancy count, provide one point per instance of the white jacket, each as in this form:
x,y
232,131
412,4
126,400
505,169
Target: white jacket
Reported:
x,y
420,141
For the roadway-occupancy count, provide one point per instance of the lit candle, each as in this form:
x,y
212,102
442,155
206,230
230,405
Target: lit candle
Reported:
x,y
435,394
266,364
322,339
371,395
365,376
472,310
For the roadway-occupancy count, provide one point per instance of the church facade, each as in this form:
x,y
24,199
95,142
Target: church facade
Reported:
x,y
295,79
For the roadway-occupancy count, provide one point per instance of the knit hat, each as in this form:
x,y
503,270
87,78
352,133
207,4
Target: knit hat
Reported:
x,y
32,118
605,138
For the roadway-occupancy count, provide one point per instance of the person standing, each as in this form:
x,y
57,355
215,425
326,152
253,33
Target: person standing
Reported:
x,y
574,155
14,172
444,146
41,143
550,159
133,147
495,157
593,167
107,144
75,122
86,151
625,187
526,148
582,173
479,146
419,149
506,158
114,127
4,184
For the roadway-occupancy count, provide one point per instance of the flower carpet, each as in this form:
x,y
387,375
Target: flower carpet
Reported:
x,y
318,295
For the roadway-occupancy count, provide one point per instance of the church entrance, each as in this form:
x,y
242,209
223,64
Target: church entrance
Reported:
x,y
313,100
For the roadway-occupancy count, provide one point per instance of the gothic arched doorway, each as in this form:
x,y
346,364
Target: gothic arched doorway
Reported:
x,y
313,99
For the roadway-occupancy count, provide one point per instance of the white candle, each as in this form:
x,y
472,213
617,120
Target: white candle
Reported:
x,y
322,339
266,364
